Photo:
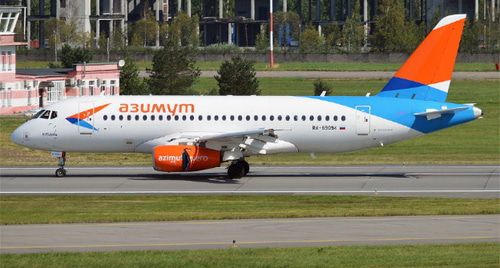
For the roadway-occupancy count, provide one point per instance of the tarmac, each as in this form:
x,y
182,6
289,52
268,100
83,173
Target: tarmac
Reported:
x,y
425,180
249,233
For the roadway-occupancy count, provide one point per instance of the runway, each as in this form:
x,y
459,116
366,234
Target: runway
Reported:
x,y
449,181
249,233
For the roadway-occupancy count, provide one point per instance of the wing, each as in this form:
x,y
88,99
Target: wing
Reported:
x,y
238,143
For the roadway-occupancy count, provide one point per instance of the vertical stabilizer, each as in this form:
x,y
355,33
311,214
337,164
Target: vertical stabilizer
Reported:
x,y
426,74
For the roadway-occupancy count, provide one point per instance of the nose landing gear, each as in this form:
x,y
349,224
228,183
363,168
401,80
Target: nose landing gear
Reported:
x,y
61,172
238,169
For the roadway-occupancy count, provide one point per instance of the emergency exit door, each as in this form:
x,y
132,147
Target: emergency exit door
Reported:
x,y
363,120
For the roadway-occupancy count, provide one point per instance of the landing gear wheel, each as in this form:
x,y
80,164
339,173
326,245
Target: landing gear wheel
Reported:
x,y
60,172
245,165
236,171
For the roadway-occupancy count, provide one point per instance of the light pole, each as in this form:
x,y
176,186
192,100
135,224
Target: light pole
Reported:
x,y
271,37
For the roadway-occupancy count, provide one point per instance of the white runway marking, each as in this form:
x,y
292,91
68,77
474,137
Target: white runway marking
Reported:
x,y
254,192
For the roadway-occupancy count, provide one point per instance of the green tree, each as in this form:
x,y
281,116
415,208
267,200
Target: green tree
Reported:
x,y
130,82
262,42
310,41
320,86
71,56
173,70
333,37
237,77
389,23
59,31
184,29
353,31
144,32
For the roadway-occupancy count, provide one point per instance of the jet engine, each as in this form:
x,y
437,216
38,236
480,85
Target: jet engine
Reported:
x,y
177,158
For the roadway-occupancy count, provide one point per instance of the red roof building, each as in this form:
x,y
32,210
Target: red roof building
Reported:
x,y
25,89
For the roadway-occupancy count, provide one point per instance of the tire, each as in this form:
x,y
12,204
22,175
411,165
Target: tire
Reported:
x,y
60,172
246,166
235,171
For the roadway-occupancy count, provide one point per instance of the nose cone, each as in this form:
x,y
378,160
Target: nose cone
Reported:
x,y
17,136
477,112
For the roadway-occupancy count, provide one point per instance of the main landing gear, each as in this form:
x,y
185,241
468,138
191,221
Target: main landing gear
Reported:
x,y
61,172
238,169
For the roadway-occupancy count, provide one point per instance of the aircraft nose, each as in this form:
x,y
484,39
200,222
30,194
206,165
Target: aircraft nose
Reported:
x,y
477,112
17,136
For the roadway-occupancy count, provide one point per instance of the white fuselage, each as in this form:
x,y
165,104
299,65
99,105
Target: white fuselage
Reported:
x,y
129,122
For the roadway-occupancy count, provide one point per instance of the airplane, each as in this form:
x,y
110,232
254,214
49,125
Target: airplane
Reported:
x,y
190,133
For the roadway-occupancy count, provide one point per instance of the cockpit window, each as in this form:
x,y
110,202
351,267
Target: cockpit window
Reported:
x,y
53,115
38,114
45,115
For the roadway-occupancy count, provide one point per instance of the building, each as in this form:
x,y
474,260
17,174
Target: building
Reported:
x,y
25,89
219,23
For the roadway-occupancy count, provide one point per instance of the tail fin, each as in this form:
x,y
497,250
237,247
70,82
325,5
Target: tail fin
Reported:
x,y
426,75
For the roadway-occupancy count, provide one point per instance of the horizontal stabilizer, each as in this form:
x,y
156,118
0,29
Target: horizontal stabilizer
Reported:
x,y
433,113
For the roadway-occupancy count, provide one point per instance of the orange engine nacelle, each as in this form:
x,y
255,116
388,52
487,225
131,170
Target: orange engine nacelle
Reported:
x,y
173,158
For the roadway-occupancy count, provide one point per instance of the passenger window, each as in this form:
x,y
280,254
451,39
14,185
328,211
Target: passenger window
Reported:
x,y
209,117
231,117
256,118
120,117
160,117
295,118
216,117
191,117
263,118
335,118
248,118
169,117
152,118
176,118
105,117
136,117
311,118
319,117
113,117
45,115
224,118
303,118
240,117
144,117
271,117
287,118
327,118
279,117
184,118
200,117
53,115
343,118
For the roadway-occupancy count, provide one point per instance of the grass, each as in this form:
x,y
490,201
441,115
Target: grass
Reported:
x,y
477,142
301,66
22,209
452,255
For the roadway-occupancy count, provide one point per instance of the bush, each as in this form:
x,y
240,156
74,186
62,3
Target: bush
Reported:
x,y
174,70
130,82
237,77
310,41
71,56
320,86
221,49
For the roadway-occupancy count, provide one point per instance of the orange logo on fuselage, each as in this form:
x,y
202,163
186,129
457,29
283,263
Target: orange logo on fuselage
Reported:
x,y
173,109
